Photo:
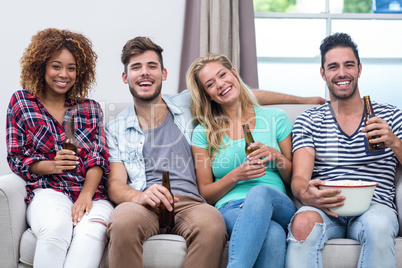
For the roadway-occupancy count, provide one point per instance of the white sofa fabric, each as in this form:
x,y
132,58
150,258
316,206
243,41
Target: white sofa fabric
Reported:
x,y
17,242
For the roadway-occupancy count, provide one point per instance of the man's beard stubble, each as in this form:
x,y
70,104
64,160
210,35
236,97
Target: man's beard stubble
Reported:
x,y
147,98
342,96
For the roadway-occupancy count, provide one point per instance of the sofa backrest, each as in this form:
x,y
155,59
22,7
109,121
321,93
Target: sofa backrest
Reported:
x,y
111,110
293,110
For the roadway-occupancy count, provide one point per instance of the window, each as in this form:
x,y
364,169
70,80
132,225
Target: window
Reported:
x,y
289,33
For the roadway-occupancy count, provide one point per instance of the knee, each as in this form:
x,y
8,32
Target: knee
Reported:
x,y
303,223
59,230
94,228
379,231
258,197
211,226
276,233
214,225
123,224
59,236
260,191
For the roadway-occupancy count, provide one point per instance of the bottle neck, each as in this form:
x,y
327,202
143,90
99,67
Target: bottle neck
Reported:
x,y
166,180
368,107
70,130
248,137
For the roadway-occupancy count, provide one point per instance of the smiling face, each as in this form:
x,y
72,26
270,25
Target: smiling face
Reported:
x,y
220,83
61,72
144,76
341,72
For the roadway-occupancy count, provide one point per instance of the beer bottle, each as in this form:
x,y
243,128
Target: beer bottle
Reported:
x,y
248,139
166,217
70,142
369,114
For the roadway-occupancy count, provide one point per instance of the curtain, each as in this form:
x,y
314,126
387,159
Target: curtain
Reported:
x,y
220,29
248,46
191,39
220,26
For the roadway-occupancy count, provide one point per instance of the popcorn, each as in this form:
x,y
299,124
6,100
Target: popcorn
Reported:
x,y
348,183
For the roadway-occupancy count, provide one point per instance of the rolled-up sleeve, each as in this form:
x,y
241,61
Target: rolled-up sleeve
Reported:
x,y
98,154
19,156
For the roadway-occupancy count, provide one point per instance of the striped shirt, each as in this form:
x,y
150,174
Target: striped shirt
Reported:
x,y
34,135
342,157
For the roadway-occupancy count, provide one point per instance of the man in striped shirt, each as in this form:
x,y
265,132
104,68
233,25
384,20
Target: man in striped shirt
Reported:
x,y
330,143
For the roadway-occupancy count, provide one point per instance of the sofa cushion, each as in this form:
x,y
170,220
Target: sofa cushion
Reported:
x,y
165,251
159,251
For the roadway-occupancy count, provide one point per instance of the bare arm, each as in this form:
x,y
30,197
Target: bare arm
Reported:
x,y
210,190
119,191
265,97
84,201
64,160
282,160
213,191
305,189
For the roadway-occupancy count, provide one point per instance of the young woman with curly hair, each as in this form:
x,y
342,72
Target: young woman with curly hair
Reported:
x,y
67,211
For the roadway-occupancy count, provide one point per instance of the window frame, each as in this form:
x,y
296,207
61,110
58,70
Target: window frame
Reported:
x,y
328,20
328,17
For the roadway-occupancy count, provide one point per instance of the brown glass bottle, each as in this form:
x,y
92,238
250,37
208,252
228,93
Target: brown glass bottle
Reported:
x,y
70,142
248,139
166,217
369,114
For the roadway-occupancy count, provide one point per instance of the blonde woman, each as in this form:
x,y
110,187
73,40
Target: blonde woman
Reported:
x,y
249,190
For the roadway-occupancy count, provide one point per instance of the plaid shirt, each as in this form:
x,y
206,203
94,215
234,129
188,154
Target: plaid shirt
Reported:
x,y
34,135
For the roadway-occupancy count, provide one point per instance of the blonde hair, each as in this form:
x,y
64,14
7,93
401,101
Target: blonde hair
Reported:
x,y
206,111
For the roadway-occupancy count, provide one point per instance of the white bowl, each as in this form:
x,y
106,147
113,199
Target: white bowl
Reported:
x,y
358,195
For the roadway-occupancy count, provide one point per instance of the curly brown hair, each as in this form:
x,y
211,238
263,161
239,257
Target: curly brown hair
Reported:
x,y
49,43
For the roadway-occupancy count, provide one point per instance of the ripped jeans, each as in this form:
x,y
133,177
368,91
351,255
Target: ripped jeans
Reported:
x,y
375,229
49,216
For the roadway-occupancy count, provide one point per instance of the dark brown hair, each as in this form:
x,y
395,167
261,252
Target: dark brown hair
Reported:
x,y
338,40
137,46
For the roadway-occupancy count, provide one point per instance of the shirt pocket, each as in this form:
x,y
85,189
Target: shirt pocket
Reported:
x,y
85,138
42,139
367,149
129,156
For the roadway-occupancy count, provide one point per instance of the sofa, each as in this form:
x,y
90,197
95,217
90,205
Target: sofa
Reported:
x,y
17,243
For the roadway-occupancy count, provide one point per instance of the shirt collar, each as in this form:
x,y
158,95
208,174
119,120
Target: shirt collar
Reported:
x,y
132,119
68,102
172,106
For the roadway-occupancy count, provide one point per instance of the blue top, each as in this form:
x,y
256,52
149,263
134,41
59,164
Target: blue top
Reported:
x,y
272,126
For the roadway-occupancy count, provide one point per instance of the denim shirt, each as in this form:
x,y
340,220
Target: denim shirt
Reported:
x,y
126,138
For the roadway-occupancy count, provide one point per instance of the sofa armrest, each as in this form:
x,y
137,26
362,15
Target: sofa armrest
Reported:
x,y
398,195
12,220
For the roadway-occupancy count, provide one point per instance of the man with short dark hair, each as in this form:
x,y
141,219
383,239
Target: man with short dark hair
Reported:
x,y
329,144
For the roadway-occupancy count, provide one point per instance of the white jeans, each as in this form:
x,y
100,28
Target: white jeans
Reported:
x,y
49,216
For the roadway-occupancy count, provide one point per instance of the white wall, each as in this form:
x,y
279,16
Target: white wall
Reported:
x,y
108,24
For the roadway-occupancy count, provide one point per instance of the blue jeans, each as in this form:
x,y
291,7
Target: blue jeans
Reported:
x,y
257,228
375,229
